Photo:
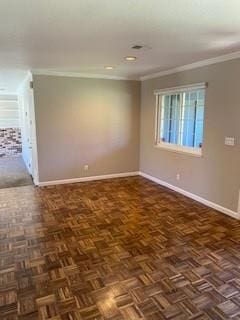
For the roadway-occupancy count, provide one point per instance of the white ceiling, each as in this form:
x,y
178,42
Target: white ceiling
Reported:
x,y
85,35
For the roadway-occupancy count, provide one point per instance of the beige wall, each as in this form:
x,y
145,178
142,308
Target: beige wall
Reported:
x,y
96,122
86,121
215,176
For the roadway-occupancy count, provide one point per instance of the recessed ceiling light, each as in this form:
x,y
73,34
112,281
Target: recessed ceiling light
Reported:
x,y
130,58
108,67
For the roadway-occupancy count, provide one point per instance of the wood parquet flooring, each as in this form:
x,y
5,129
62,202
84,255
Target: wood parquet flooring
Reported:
x,y
115,249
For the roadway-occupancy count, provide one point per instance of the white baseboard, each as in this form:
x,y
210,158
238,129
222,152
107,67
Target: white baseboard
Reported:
x,y
210,204
91,178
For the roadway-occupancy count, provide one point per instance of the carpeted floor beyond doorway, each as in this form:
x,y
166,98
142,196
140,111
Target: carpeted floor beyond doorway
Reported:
x,y
13,173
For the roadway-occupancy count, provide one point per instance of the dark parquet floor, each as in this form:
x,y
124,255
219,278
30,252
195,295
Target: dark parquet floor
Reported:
x,y
115,249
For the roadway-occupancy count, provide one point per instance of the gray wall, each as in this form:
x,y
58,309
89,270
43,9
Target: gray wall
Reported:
x,y
215,176
86,121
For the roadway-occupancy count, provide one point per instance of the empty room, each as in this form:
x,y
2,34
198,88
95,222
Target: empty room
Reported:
x,y
119,160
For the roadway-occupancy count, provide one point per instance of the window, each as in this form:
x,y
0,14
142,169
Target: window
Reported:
x,y
180,118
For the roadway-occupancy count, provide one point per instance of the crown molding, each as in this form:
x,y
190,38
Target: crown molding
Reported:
x,y
202,63
80,75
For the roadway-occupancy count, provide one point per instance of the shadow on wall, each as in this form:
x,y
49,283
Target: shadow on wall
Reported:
x,y
99,163
80,122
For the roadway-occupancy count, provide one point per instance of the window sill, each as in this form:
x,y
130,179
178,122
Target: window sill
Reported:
x,y
178,149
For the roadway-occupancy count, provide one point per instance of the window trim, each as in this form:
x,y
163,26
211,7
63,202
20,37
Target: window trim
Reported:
x,y
170,146
179,89
197,152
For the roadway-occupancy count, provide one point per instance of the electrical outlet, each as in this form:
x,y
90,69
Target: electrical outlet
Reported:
x,y
229,141
178,176
86,167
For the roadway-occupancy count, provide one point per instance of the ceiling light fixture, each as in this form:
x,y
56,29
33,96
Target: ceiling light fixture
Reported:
x,y
108,67
130,58
137,47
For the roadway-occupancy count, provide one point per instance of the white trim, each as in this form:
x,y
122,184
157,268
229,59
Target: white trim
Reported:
x,y
190,87
239,203
174,147
81,75
34,138
202,63
91,178
196,152
23,88
158,112
208,203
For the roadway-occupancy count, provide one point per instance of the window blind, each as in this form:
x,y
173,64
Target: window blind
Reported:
x,y
9,113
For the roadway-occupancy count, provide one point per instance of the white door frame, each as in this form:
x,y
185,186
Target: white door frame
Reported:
x,y
26,99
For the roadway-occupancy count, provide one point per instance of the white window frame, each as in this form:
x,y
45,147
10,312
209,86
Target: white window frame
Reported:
x,y
158,119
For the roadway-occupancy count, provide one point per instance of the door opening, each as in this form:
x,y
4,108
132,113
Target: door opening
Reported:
x,y
13,172
18,151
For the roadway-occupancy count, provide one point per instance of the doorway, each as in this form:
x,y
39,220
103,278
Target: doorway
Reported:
x,y
13,171
18,166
